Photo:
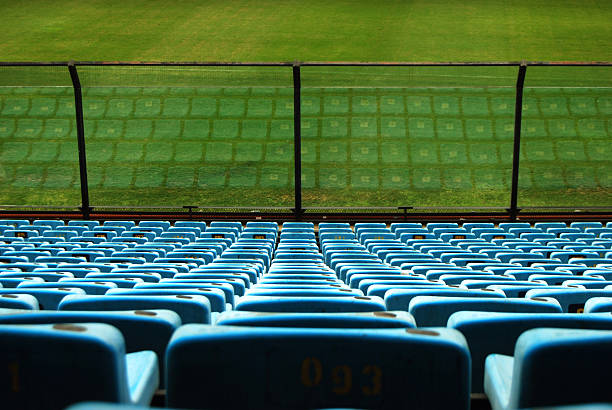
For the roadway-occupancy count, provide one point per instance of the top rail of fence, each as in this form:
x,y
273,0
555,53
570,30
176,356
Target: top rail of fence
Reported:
x,y
307,63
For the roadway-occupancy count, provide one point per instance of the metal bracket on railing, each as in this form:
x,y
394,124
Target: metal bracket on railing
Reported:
x,y
405,209
190,209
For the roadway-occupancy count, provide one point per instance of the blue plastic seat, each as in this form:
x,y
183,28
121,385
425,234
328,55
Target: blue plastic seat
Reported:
x,y
90,288
145,276
454,279
494,332
435,310
121,283
598,305
62,269
124,224
52,366
164,272
226,288
381,288
215,296
238,287
190,308
164,225
543,369
355,280
359,320
18,301
305,293
585,225
14,222
89,224
571,300
399,299
310,305
318,368
48,299
141,329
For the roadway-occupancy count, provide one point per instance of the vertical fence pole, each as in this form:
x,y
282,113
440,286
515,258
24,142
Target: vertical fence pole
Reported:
x,y
297,140
78,105
516,156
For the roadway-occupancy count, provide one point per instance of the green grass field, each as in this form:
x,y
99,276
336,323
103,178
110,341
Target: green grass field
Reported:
x,y
307,30
435,137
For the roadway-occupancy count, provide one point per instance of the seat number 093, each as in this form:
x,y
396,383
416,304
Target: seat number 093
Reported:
x,y
342,377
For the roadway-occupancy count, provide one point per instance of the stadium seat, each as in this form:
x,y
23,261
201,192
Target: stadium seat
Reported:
x,y
360,320
190,308
540,372
141,329
571,300
52,366
310,305
400,299
435,310
495,332
377,368
18,301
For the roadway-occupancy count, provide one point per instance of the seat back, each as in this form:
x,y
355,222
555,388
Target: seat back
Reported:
x,y
497,332
547,361
314,368
51,366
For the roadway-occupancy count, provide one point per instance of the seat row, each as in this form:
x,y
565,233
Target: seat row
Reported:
x,y
344,316
522,359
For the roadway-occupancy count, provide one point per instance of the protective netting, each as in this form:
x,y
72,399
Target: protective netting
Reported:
x,y
566,157
176,136
372,137
407,136
38,145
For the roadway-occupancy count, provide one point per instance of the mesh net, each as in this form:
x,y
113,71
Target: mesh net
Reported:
x,y
372,137
175,136
407,136
566,158
38,145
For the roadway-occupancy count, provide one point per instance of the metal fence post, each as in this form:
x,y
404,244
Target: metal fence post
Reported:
x,y
516,156
78,105
297,141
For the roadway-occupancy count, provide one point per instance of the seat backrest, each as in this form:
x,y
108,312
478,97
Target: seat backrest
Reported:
x,y
315,368
311,304
51,366
351,320
497,332
141,329
190,308
435,310
549,363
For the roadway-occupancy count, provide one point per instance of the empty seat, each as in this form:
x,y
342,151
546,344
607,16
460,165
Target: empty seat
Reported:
x,y
311,304
314,368
358,320
52,366
571,300
18,301
544,368
435,310
141,329
399,299
215,296
598,304
48,299
190,308
495,332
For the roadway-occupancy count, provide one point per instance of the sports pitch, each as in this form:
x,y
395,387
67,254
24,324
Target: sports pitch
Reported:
x,y
435,137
